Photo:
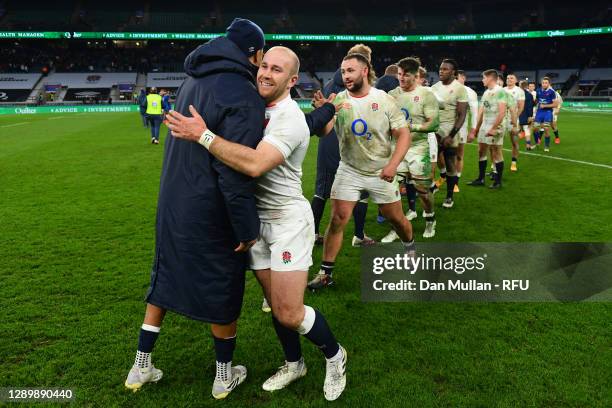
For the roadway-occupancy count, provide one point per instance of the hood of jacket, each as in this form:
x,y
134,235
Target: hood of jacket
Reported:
x,y
217,56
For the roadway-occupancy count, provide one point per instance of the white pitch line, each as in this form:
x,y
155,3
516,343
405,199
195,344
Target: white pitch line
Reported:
x,y
57,117
605,166
15,124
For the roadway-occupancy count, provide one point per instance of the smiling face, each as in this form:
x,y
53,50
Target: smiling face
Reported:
x,y
277,74
510,81
545,84
354,74
406,79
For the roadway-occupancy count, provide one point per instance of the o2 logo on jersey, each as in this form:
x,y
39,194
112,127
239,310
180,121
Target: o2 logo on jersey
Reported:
x,y
359,127
407,115
486,104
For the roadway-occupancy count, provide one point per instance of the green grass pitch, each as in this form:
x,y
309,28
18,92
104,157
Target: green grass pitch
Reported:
x,y
78,195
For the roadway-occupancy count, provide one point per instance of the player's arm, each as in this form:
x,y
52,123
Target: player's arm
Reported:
x,y
400,131
555,103
473,104
520,107
460,112
432,116
252,162
514,118
479,120
319,119
402,145
459,117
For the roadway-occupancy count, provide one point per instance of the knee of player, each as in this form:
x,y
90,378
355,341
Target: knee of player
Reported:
x,y
397,220
288,317
340,218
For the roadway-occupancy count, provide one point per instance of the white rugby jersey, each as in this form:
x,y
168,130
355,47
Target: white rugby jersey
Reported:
x,y
279,191
364,126
473,108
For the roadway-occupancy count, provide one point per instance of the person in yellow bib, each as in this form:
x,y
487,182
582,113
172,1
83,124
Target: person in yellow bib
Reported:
x,y
154,114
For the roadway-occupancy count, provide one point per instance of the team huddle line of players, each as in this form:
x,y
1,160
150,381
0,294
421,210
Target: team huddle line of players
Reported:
x,y
440,125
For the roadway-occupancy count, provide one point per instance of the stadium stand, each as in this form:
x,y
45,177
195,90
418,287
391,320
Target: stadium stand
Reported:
x,y
17,87
566,60
88,87
315,16
169,80
596,82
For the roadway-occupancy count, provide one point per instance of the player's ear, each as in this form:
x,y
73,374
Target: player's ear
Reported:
x,y
257,57
292,81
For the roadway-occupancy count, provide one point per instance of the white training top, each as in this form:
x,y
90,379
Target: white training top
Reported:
x,y
279,191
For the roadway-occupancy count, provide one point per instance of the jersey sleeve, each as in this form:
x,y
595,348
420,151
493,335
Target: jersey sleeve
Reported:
x,y
462,94
431,110
473,105
397,119
287,134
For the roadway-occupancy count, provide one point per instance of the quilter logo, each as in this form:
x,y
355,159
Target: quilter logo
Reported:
x,y
23,111
556,33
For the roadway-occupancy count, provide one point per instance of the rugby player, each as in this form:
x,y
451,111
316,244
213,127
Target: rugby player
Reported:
x,y
283,252
367,120
328,159
420,108
519,97
526,117
452,117
490,127
555,115
547,101
465,131
431,137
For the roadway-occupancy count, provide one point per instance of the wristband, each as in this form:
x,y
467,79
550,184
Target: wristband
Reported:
x,y
207,138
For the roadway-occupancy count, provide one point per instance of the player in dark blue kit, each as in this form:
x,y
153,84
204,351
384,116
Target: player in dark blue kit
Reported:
x,y
526,116
547,100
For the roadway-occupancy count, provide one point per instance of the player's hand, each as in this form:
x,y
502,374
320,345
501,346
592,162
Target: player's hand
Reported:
x,y
245,245
492,132
471,136
388,173
184,127
447,141
320,100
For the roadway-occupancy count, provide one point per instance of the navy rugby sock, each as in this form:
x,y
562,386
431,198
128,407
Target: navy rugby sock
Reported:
x,y
359,215
318,206
289,339
315,328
